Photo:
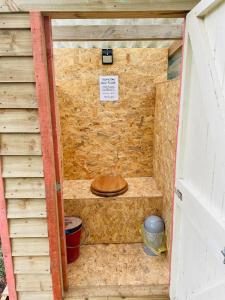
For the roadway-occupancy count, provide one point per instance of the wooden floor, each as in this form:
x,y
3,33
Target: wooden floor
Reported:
x,y
118,270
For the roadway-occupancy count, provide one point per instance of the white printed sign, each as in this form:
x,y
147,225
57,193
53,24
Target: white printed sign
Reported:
x,y
108,88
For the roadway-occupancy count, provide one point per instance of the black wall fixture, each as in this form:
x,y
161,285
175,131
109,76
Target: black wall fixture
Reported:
x,y
107,56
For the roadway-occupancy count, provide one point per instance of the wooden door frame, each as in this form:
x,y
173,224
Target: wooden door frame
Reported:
x,y
45,87
46,108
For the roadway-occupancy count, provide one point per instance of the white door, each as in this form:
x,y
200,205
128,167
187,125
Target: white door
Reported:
x,y
198,269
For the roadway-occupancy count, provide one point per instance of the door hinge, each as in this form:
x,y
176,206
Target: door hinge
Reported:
x,y
179,194
58,186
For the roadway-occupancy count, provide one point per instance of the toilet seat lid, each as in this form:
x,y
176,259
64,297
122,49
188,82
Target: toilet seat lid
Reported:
x,y
109,183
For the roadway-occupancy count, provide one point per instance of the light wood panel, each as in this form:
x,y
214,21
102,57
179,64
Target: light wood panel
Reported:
x,y
13,69
31,265
30,247
14,21
17,95
15,43
104,8
117,32
19,120
28,228
166,118
20,144
34,283
22,166
24,188
35,296
175,47
26,208
123,130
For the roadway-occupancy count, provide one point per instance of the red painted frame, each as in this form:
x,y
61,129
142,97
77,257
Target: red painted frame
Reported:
x,y
6,245
44,107
56,142
174,177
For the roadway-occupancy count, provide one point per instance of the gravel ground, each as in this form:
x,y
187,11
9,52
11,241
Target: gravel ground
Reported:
x,y
2,273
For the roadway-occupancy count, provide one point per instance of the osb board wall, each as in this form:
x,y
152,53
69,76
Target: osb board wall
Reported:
x,y
166,117
113,219
108,137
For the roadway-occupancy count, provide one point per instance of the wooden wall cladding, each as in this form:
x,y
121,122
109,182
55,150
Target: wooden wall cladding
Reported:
x,y
166,117
101,137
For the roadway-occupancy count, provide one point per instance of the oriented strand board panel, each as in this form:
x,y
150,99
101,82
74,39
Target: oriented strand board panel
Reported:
x,y
104,137
112,220
117,270
166,118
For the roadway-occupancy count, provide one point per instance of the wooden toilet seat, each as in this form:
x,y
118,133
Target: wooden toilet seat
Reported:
x,y
109,185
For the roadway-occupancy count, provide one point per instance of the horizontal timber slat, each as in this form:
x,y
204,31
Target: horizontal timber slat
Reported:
x,y
22,166
30,246
19,120
20,144
24,188
105,8
35,296
13,69
176,46
31,265
36,282
20,228
14,21
117,32
15,43
18,95
26,208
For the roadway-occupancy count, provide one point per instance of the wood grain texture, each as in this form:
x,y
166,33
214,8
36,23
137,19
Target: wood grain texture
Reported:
x,y
15,43
31,265
5,240
26,208
20,144
22,166
35,295
33,283
122,130
50,183
30,247
19,120
23,228
56,145
117,32
166,118
13,69
14,21
17,95
24,188
175,47
104,8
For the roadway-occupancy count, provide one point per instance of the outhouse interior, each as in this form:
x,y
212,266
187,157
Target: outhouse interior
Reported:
x,y
134,136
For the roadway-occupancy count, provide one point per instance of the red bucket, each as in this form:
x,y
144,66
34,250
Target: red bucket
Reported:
x,y
72,253
73,228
